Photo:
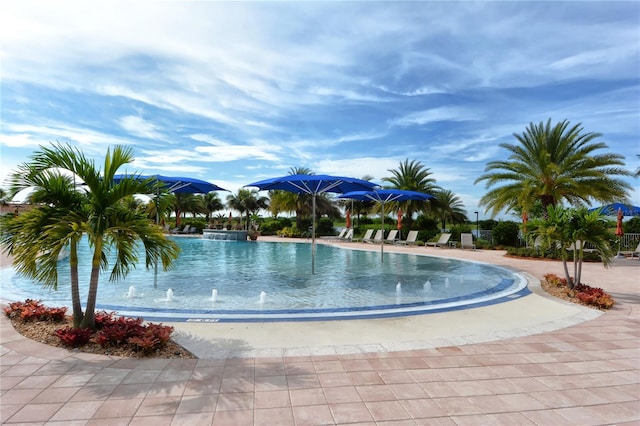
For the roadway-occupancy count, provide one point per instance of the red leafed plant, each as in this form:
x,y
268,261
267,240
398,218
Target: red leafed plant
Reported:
x,y
588,295
74,337
594,296
34,310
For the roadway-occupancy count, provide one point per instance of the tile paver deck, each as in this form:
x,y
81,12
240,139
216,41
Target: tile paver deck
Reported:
x,y
587,373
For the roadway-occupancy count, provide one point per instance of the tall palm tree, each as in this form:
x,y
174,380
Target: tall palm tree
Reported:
x,y
413,176
448,206
212,204
553,165
61,216
108,222
247,202
183,203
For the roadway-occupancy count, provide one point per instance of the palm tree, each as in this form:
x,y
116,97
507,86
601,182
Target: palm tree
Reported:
x,y
593,228
185,202
108,222
212,204
563,227
247,202
412,176
553,165
448,206
61,216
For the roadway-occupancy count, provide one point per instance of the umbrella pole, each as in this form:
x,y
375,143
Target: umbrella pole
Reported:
x,y
313,234
382,239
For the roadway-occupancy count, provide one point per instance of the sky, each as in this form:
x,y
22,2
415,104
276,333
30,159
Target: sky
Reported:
x,y
235,92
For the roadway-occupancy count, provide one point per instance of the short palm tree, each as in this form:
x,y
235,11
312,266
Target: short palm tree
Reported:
x,y
103,218
60,217
553,165
562,227
412,176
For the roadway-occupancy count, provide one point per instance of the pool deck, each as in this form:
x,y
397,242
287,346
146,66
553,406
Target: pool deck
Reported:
x,y
531,361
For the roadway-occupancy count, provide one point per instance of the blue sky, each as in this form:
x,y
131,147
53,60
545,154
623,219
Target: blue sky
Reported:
x,y
237,92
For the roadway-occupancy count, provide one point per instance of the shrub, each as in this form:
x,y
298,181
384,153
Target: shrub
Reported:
x,y
74,337
586,294
325,227
34,310
506,233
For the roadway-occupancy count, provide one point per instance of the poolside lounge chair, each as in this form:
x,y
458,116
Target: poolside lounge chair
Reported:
x,y
348,236
377,238
577,244
466,240
367,236
184,230
338,237
392,237
635,253
442,241
412,236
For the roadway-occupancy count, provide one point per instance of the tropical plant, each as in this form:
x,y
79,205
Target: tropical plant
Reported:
x,y
102,217
185,202
563,227
447,206
553,165
212,204
247,202
412,176
61,213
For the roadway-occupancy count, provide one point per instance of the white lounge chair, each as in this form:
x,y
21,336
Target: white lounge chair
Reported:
x,y
392,237
442,241
366,237
348,236
466,240
377,238
185,230
412,236
635,253
337,237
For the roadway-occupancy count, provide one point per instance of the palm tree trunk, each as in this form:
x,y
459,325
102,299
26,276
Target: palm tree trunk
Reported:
x,y
89,320
75,290
566,272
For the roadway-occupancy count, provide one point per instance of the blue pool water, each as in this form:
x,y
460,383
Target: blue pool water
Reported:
x,y
256,281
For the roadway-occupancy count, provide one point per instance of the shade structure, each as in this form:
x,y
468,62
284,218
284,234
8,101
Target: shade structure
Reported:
x,y
314,185
179,185
384,196
612,209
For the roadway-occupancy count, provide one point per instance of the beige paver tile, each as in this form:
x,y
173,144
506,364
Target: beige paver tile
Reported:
x,y
118,408
273,416
342,394
272,399
313,396
350,412
308,415
188,419
387,411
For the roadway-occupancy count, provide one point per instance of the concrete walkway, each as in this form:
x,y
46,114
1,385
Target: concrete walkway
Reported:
x,y
533,361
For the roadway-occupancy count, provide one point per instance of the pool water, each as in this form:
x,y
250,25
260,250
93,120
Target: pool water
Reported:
x,y
226,281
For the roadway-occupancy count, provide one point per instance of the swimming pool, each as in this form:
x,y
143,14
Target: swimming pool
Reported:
x,y
271,281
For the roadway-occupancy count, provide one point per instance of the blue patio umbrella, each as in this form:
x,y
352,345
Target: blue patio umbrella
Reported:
x,y
314,185
383,196
179,185
612,209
